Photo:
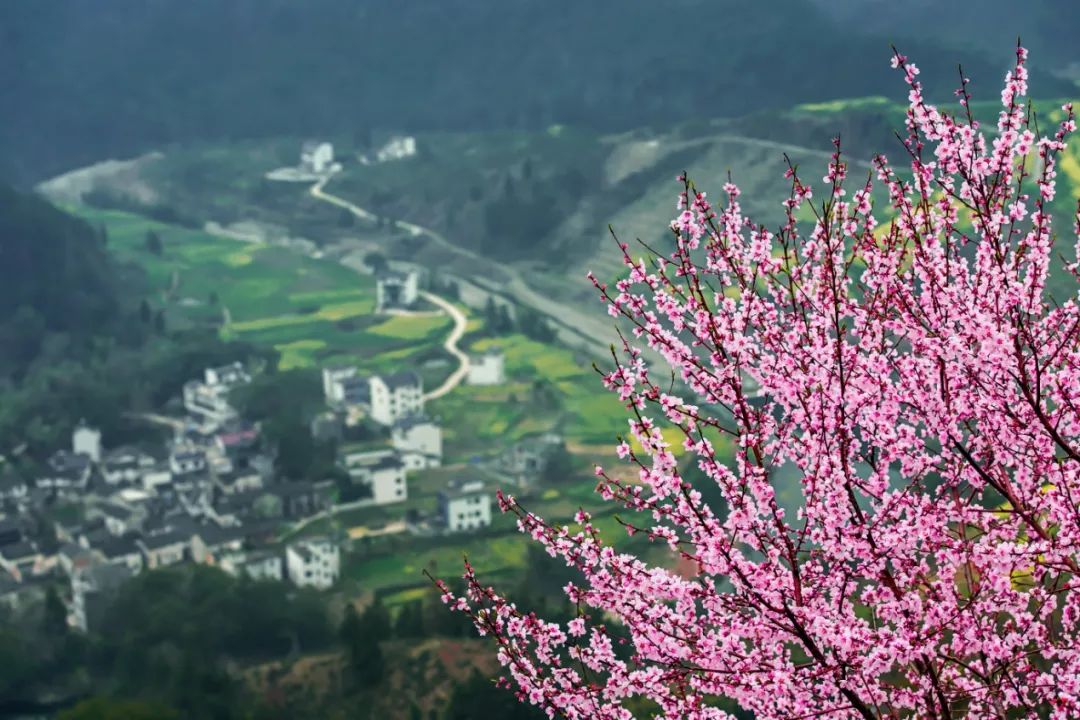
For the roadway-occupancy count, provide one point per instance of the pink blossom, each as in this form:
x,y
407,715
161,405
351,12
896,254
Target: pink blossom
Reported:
x,y
923,397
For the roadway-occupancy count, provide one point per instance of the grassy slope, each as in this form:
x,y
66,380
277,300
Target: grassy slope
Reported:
x,y
311,311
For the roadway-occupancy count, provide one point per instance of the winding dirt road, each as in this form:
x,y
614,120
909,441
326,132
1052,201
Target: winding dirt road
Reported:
x,y
460,321
583,327
450,345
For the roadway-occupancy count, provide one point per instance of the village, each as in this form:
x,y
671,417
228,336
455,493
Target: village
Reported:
x,y
213,494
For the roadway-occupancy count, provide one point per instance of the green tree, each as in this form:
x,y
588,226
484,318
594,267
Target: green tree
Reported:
x,y
376,620
106,708
145,315
54,615
346,219
376,261
159,322
478,698
362,649
153,243
409,622
559,466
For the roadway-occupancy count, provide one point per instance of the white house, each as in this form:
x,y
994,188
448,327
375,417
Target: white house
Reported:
x,y
66,473
118,517
208,399
86,440
259,565
12,487
465,506
381,470
211,542
396,396
418,439
159,475
315,562
316,157
343,386
125,464
186,460
166,548
398,148
487,368
238,481
395,289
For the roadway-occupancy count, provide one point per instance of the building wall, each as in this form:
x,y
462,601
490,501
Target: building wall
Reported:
x,y
320,570
487,369
268,568
422,439
87,441
387,407
319,159
156,478
333,390
468,512
388,486
165,556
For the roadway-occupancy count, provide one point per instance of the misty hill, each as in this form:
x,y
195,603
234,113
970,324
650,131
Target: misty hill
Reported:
x,y
1048,28
93,80
55,277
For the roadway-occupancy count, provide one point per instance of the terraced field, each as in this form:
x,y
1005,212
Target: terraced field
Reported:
x,y
313,312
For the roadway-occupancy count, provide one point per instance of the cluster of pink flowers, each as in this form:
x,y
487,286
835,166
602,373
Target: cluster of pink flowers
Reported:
x,y
915,381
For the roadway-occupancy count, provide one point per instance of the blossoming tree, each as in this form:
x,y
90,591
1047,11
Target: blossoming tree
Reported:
x,y
915,379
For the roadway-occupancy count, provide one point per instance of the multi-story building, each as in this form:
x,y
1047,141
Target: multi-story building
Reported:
x,y
208,399
315,562
316,157
167,546
86,440
465,506
395,289
124,464
487,367
343,387
396,396
186,460
383,471
418,439
257,565
66,473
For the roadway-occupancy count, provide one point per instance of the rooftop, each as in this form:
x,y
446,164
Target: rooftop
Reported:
x,y
394,275
175,534
412,421
63,461
18,551
463,488
374,460
405,378
116,547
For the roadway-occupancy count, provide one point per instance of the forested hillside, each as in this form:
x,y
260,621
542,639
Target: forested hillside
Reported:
x,y
78,332
55,277
83,81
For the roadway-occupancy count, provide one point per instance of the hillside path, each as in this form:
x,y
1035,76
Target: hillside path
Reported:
x,y
450,345
586,328
460,321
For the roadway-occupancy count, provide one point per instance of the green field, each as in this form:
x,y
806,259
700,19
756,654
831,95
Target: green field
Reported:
x,y
309,310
